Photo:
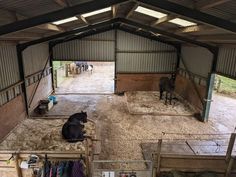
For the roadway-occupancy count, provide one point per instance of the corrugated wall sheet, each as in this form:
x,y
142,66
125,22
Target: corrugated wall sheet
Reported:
x,y
197,59
141,55
35,57
9,71
146,62
226,64
135,54
100,47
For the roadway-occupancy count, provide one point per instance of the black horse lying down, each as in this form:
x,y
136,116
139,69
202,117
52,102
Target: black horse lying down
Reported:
x,y
73,129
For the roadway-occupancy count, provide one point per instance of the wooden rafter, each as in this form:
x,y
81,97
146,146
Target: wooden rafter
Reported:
x,y
51,27
163,20
114,11
21,36
61,3
209,4
130,12
64,4
192,29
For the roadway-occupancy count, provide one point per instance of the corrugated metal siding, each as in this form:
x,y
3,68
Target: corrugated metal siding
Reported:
x,y
9,71
146,62
147,56
109,35
85,50
127,41
197,59
34,58
226,64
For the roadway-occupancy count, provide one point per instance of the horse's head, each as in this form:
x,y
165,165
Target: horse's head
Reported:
x,y
84,117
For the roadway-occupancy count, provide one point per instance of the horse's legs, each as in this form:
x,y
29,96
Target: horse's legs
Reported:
x,y
161,93
170,97
166,98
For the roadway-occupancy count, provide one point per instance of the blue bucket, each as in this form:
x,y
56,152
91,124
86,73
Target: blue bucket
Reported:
x,y
53,98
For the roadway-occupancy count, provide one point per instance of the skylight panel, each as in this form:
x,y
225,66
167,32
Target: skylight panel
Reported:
x,y
65,20
182,22
150,12
97,12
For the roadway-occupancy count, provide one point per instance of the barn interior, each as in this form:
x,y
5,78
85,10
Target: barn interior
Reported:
x,y
132,45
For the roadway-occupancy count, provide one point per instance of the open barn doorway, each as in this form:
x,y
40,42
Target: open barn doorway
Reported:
x,y
224,103
83,77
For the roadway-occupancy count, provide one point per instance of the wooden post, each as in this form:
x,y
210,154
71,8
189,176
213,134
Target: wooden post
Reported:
x,y
229,167
66,70
18,170
159,156
55,78
230,147
87,156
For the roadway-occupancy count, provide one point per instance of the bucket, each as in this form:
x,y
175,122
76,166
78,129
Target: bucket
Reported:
x,y
53,99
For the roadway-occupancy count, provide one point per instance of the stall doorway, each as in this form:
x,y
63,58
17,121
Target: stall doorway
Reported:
x,y
87,78
223,106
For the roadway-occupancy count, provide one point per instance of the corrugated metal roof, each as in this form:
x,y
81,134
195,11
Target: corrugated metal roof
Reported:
x,y
30,7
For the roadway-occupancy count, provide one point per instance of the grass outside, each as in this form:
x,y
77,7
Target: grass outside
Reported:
x,y
225,85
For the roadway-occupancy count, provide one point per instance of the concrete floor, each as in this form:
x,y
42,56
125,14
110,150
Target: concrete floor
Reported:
x,y
101,80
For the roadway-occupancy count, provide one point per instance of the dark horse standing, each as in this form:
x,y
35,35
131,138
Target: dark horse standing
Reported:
x,y
167,85
73,129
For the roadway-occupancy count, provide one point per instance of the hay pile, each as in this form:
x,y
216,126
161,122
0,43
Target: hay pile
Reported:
x,y
142,102
42,134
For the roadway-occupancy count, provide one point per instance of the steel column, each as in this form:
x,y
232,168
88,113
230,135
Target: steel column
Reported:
x,y
115,79
22,76
178,58
210,87
51,65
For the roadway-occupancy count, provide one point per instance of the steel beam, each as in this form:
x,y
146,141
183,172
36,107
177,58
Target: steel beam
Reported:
x,y
85,34
149,36
68,33
122,28
165,33
22,77
58,15
128,22
192,14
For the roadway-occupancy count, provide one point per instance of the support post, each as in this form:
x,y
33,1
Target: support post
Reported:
x,y
230,147
51,65
18,169
22,76
159,156
210,87
115,57
178,59
157,160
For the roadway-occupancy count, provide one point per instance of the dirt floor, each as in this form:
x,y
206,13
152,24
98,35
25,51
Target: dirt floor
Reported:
x,y
122,133
43,135
101,80
127,126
